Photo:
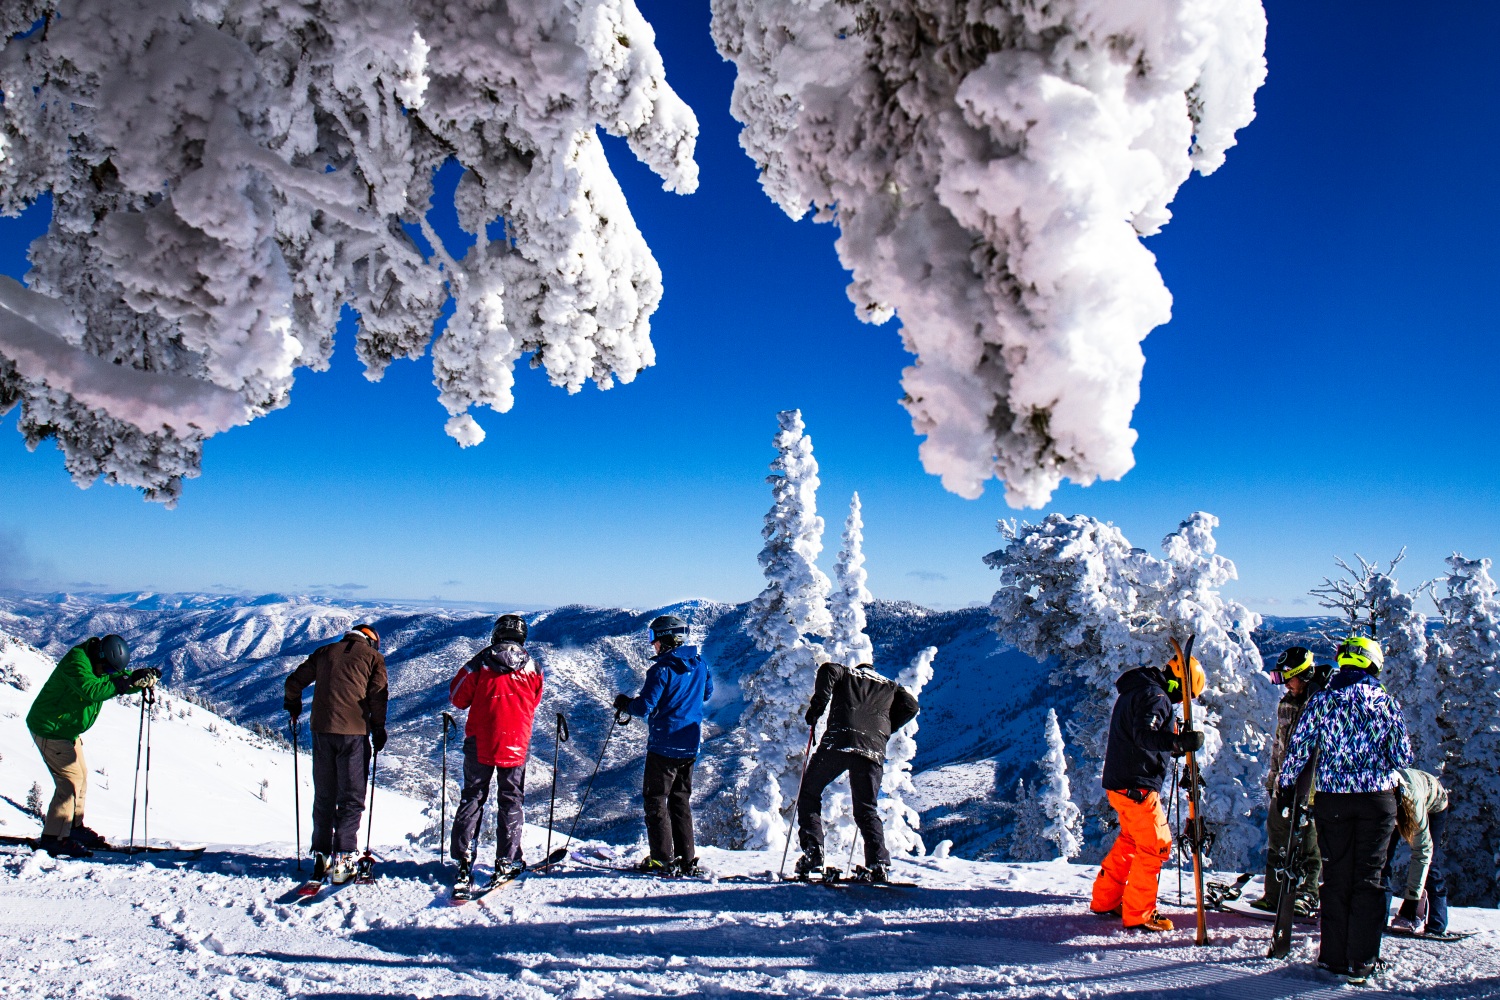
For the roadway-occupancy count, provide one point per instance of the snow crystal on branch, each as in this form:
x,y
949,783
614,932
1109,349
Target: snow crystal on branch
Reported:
x,y
225,177
991,169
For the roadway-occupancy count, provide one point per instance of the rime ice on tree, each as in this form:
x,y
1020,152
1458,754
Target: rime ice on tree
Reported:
x,y
1045,811
901,821
225,178
847,642
792,607
991,169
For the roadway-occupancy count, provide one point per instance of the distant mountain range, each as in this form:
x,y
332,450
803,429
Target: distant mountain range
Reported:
x,y
980,727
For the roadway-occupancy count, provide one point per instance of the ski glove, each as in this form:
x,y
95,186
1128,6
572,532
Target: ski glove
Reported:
x,y
810,718
1190,741
292,705
377,739
622,702
143,678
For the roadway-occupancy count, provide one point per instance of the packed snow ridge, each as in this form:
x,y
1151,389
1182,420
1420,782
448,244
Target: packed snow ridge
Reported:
x,y
225,178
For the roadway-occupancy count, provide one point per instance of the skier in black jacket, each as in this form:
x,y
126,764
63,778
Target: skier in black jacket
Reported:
x,y
867,708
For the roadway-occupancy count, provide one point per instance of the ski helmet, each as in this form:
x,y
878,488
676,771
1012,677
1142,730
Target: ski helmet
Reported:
x,y
669,630
1361,652
368,631
509,628
109,653
1174,668
1292,662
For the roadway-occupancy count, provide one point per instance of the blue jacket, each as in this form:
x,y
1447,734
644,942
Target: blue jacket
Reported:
x,y
672,700
1361,731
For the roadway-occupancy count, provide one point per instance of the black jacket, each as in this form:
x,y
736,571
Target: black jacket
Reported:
x,y
867,708
1141,732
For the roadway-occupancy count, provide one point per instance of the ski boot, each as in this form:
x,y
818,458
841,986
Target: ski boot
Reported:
x,y
650,866
463,881
505,870
343,867
63,847
688,868
1155,923
1304,906
88,838
875,874
320,866
810,864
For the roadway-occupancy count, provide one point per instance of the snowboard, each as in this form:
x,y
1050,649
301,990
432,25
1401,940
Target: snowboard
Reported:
x,y
1445,936
1242,908
1291,873
1217,894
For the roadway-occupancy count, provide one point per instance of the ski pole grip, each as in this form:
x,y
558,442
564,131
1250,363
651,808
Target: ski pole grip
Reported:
x,y
562,728
622,717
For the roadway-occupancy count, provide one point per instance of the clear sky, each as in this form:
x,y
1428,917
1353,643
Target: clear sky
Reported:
x,y
1327,384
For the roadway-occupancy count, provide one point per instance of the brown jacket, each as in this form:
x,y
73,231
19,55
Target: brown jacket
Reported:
x,y
349,692
1288,711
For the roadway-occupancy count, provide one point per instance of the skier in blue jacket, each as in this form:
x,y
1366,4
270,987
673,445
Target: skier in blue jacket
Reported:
x,y
671,700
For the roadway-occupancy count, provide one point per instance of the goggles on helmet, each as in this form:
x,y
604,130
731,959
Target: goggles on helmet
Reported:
x,y
1291,663
1362,652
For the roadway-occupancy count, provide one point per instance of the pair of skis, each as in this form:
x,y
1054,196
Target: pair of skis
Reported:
x,y
1195,808
187,850
466,893
834,878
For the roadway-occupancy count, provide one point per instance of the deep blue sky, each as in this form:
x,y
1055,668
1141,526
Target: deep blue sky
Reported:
x,y
1326,385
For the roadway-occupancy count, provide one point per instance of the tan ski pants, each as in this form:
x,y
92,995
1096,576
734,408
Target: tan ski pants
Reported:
x,y
64,758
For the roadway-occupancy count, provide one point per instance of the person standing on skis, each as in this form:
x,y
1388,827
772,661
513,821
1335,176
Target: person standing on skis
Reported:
x,y
1421,821
65,708
1295,669
1143,736
1363,743
348,720
671,701
501,687
866,709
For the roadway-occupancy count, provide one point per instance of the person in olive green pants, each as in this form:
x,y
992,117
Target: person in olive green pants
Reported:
x,y
67,705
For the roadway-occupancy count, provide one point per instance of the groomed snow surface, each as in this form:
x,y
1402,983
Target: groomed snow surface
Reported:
x,y
213,926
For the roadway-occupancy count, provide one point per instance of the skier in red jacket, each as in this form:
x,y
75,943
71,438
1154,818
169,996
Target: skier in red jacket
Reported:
x,y
501,687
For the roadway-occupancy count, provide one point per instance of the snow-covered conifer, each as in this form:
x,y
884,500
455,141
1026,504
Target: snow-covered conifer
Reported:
x,y
899,819
34,803
1026,842
792,607
1468,655
991,169
1054,799
847,642
225,177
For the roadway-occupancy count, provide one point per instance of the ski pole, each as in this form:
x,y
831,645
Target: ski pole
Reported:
x,y
296,793
849,864
150,701
559,737
443,809
621,719
135,784
370,827
806,755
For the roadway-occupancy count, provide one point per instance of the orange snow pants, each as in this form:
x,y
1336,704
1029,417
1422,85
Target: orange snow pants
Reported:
x,y
1128,875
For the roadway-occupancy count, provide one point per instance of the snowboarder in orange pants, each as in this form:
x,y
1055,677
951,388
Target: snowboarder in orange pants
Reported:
x,y
1142,738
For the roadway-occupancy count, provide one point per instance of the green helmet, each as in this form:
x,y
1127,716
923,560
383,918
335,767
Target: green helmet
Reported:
x,y
1362,652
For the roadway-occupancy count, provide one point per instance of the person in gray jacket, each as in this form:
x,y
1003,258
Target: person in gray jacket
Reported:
x,y
1296,670
1421,821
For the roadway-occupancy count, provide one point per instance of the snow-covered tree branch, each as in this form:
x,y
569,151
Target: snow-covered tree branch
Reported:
x,y
224,177
991,168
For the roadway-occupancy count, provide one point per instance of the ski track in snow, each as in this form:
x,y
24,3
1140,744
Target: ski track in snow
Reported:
x,y
113,927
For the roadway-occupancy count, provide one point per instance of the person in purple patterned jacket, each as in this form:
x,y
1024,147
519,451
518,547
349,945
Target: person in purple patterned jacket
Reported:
x,y
1361,735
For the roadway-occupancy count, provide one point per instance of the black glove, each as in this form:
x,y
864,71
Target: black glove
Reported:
x,y
292,705
377,739
1408,909
811,718
1283,801
1190,741
144,677
622,702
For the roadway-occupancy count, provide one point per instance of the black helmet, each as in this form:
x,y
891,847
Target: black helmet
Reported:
x,y
669,630
368,632
509,627
109,653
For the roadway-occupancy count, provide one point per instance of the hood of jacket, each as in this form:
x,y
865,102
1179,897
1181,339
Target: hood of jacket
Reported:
x,y
1349,676
504,657
1134,680
679,660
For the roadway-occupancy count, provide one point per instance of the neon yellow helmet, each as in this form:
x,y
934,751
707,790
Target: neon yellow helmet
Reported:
x,y
1293,662
1362,652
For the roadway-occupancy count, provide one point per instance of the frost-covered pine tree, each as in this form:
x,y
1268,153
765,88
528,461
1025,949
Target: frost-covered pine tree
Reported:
x,y
900,820
991,169
225,177
1026,842
1467,648
34,803
1054,798
1075,590
792,607
847,642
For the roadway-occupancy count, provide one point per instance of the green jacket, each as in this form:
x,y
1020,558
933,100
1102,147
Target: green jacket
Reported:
x,y
69,702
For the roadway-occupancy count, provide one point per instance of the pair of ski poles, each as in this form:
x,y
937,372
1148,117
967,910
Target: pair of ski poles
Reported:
x,y
368,860
143,735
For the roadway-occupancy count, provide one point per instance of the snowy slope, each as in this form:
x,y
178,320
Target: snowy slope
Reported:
x,y
206,772
214,928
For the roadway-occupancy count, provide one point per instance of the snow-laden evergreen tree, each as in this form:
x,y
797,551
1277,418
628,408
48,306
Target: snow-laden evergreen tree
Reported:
x,y
847,642
1054,798
1026,842
991,168
35,804
1073,590
792,608
900,820
1467,648
224,177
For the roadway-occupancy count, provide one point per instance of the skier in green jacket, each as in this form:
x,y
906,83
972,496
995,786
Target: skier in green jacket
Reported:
x,y
88,676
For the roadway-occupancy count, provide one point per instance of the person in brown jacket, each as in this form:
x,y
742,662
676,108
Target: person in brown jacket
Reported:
x,y
348,719
1295,669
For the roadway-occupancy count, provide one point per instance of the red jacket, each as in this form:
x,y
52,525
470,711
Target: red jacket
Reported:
x,y
501,687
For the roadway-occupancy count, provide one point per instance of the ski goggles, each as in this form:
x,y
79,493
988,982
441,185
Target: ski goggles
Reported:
x,y
1291,663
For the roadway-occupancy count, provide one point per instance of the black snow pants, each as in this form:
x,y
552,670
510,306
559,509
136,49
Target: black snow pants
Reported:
x,y
341,769
1353,832
668,794
864,786
510,799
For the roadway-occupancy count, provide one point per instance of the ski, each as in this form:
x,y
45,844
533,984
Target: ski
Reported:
x,y
473,892
187,849
834,879
602,865
1289,875
1446,937
1195,807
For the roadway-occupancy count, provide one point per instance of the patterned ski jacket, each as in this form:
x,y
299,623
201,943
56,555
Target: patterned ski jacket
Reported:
x,y
1361,730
